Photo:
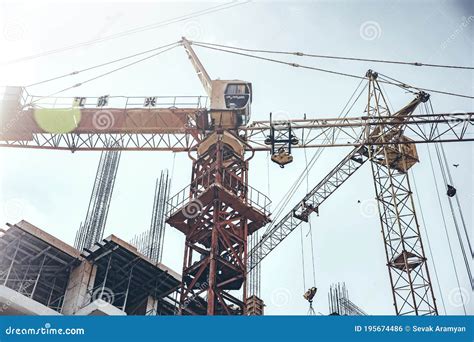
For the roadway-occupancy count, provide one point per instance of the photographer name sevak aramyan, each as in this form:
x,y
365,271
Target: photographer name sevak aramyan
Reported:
x,y
439,328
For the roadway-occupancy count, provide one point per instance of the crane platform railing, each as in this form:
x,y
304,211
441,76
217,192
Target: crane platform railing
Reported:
x,y
254,198
118,102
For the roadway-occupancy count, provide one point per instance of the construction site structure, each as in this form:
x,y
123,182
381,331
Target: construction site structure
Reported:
x,y
42,275
340,304
150,242
391,159
217,211
92,229
412,288
255,304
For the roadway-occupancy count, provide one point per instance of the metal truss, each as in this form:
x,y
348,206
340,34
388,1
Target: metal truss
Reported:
x,y
390,162
276,233
336,132
339,132
176,142
255,273
217,212
136,125
406,261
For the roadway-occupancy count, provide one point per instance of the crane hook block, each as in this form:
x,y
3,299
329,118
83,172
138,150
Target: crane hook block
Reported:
x,y
309,295
282,157
451,191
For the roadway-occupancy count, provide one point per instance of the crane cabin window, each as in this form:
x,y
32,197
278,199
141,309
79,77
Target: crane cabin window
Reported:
x,y
237,96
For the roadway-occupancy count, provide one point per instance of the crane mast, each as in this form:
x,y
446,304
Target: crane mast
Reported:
x,y
410,281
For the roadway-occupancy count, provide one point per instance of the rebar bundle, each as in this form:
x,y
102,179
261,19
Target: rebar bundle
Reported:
x,y
340,304
92,229
150,242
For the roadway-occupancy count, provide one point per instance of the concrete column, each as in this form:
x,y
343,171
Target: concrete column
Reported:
x,y
151,306
81,280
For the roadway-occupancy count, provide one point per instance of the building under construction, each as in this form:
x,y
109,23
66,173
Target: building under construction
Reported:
x,y
42,275
219,213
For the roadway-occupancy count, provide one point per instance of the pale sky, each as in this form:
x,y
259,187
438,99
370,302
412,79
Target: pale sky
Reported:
x,y
51,189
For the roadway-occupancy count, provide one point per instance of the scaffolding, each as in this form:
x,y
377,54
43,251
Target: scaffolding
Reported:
x,y
36,266
92,229
131,282
150,242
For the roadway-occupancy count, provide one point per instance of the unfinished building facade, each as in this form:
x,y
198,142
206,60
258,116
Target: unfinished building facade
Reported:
x,y
42,275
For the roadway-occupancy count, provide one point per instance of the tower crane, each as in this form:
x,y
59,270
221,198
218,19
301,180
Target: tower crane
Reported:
x,y
219,210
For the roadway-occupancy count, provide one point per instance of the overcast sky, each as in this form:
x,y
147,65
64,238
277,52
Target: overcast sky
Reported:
x,y
51,189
